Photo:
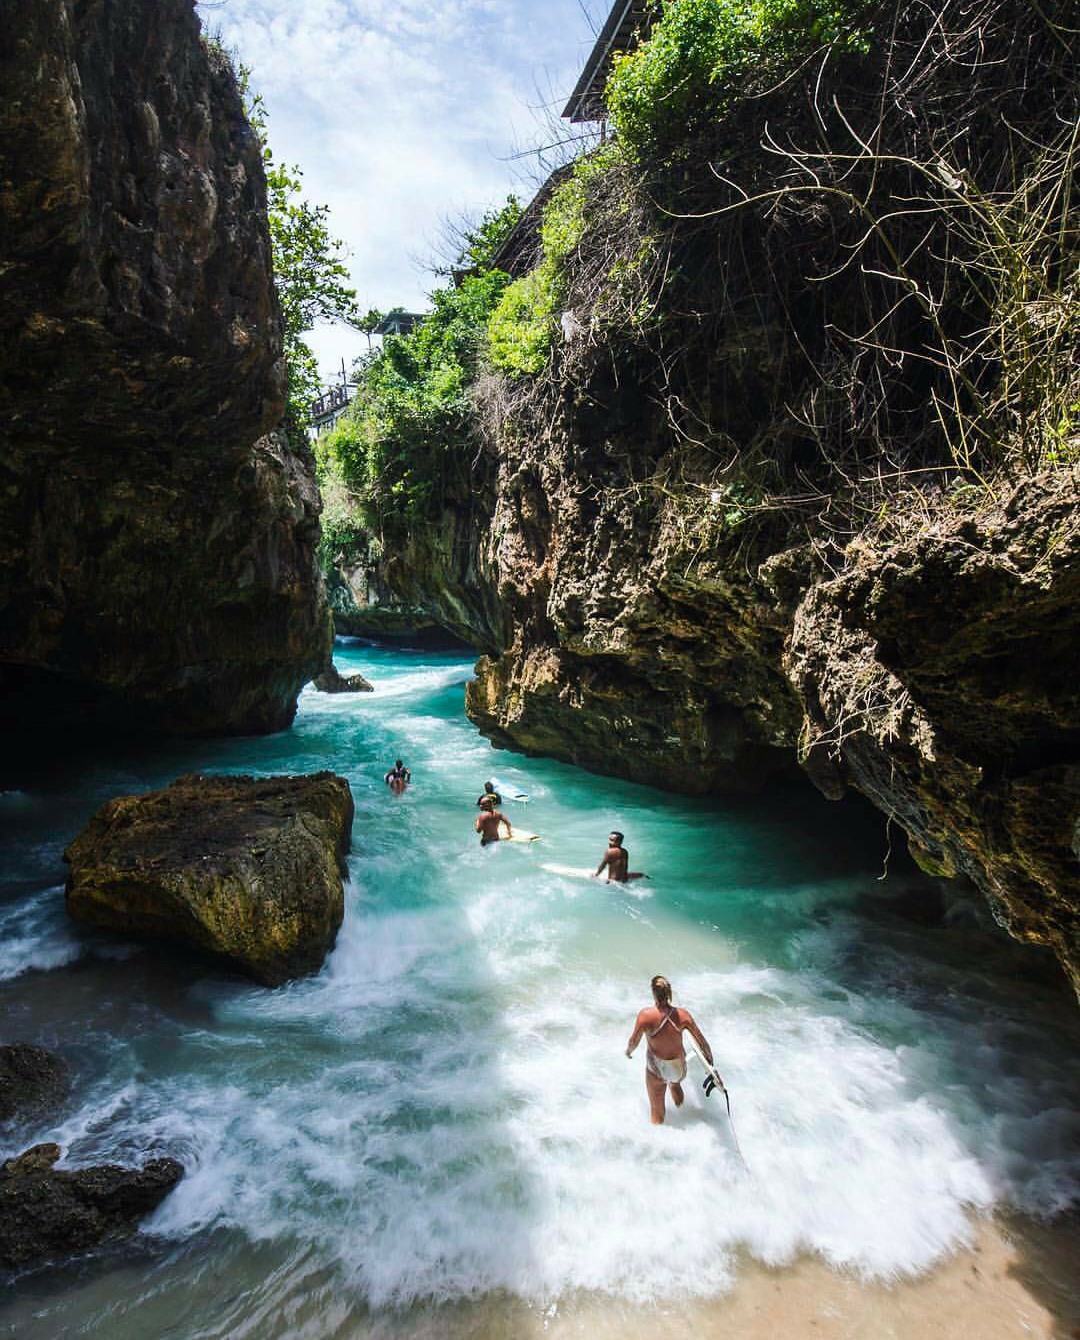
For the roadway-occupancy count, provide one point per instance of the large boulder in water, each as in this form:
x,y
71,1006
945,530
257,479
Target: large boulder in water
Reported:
x,y
32,1082
247,869
47,1213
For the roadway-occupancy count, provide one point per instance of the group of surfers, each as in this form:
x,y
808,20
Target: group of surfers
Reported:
x,y
662,1024
616,860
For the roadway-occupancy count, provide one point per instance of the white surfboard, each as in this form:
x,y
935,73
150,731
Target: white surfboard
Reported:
x,y
568,871
633,888
507,790
520,835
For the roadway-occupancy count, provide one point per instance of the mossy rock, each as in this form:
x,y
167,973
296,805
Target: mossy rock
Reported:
x,y
246,869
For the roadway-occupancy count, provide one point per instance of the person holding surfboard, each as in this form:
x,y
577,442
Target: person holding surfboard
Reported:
x,y
490,793
616,859
488,821
662,1025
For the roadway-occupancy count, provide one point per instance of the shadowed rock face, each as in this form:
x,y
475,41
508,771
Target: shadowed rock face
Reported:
x,y
940,678
157,548
246,869
47,1213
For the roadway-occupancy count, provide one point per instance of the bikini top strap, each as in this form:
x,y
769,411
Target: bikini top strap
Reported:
x,y
672,1018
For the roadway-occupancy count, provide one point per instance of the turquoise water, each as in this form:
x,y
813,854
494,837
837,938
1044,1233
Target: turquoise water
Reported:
x,y
445,1112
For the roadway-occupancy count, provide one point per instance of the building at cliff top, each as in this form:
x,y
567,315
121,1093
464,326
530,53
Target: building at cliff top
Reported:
x,y
398,322
622,30
624,27
328,409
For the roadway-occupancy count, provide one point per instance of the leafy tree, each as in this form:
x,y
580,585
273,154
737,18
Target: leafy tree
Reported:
x,y
404,440
311,281
310,275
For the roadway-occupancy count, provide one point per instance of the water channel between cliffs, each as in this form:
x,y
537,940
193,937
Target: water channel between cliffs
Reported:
x,y
442,1127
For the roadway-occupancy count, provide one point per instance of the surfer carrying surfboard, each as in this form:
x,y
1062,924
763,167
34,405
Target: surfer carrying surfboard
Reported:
x,y
398,778
662,1026
616,859
488,821
490,794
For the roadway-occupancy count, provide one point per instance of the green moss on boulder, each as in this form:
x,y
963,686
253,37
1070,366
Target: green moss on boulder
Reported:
x,y
246,869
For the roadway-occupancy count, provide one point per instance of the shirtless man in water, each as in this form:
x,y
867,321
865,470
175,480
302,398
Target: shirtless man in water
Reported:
x,y
488,821
617,858
665,1061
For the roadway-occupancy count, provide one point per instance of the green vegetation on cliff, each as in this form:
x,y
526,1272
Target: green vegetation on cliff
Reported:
x,y
310,275
405,438
703,56
841,272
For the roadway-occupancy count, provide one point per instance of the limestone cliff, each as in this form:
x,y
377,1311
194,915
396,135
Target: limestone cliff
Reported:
x,y
939,677
936,674
437,574
157,538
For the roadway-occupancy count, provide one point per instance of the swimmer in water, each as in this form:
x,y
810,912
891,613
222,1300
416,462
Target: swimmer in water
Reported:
x,y
488,821
398,778
489,791
665,1060
616,859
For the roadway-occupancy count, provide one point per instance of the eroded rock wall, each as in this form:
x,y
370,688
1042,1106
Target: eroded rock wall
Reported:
x,y
936,674
436,573
939,676
157,538
635,649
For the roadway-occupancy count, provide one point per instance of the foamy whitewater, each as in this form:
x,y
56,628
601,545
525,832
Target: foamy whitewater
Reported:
x,y
446,1112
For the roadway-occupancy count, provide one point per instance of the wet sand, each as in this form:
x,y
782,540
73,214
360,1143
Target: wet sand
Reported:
x,y
1019,1279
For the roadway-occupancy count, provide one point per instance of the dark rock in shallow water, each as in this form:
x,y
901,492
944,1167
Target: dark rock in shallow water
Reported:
x,y
333,681
247,869
45,1213
32,1081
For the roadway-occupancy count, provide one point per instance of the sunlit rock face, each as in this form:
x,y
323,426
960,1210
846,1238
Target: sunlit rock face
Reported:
x,y
157,539
937,676
248,870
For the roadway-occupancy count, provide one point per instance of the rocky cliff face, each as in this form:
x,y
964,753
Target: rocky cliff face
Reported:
x,y
935,674
632,652
432,575
939,677
156,537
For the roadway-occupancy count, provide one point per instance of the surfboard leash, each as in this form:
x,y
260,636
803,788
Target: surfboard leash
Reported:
x,y
713,1081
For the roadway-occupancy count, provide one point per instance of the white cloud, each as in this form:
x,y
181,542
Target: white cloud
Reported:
x,y
400,113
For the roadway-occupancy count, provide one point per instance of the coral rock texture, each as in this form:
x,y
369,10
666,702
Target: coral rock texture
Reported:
x,y
32,1082
157,540
940,678
246,869
47,1212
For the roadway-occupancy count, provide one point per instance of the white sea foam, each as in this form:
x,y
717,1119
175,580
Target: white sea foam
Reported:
x,y
487,1132
35,934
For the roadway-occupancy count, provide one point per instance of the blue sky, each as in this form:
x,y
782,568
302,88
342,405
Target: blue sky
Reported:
x,y
403,112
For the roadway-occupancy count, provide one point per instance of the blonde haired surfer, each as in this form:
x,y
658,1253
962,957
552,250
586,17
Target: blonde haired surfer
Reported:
x,y
488,821
662,1025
